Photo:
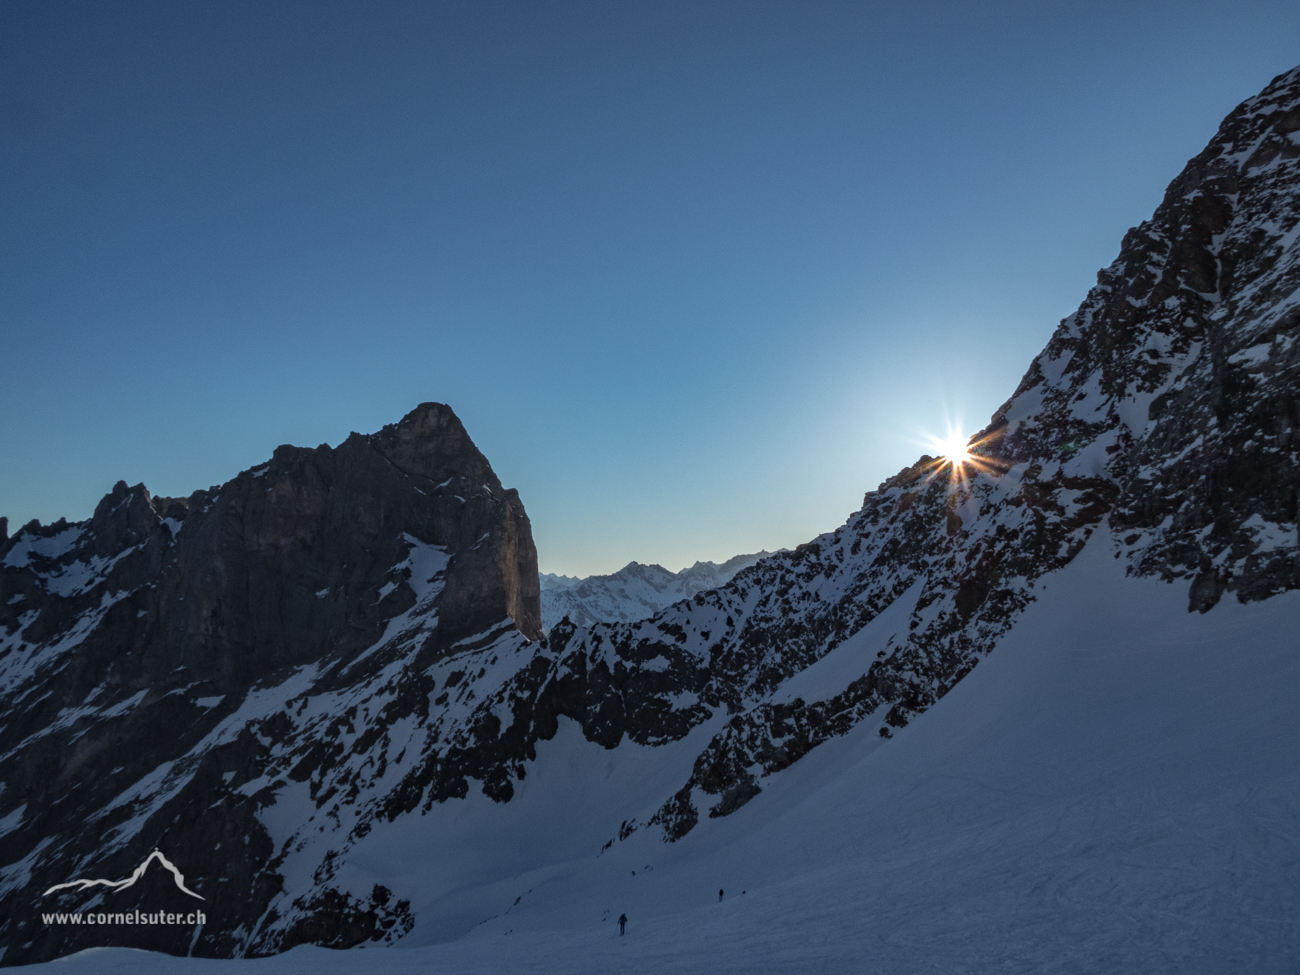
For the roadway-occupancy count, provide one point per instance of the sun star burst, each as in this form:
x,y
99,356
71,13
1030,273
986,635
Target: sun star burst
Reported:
x,y
960,459
953,449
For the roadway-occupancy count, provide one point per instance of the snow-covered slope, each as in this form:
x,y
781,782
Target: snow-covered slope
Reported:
x,y
1109,793
634,592
973,715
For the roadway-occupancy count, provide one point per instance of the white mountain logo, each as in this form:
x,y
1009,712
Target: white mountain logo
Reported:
x,y
116,885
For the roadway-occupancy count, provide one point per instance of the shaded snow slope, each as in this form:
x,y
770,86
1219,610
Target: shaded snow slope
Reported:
x,y
634,592
1110,792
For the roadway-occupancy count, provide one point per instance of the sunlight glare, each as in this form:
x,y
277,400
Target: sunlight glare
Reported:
x,y
953,448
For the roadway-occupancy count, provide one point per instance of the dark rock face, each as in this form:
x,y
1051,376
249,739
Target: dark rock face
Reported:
x,y
255,679
131,641
1215,476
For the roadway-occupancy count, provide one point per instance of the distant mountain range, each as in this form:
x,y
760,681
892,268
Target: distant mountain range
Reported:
x,y
634,592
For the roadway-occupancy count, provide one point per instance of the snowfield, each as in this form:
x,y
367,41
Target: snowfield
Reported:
x,y
1115,789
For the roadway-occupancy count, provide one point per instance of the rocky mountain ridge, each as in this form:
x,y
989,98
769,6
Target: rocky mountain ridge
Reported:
x,y
1158,423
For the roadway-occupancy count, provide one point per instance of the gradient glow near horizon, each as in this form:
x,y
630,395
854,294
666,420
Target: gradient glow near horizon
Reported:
x,y
695,276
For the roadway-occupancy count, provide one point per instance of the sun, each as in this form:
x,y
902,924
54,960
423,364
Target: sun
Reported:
x,y
959,459
952,448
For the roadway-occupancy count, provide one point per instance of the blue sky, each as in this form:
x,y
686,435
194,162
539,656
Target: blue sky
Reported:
x,y
694,275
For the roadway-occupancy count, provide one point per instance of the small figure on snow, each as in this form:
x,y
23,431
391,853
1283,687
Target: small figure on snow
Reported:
x,y
719,897
622,924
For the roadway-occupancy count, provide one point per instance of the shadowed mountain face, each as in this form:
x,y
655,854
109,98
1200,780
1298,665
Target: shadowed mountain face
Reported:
x,y
130,642
263,679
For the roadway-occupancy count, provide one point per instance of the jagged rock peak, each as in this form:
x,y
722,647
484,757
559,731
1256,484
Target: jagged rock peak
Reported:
x,y
431,441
